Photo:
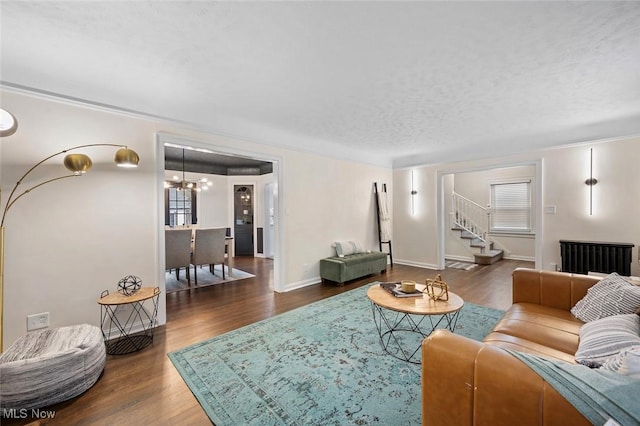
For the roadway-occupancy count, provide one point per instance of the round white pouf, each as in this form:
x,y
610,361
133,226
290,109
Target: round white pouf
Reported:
x,y
50,366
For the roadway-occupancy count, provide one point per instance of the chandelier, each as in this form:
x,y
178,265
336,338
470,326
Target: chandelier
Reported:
x,y
184,184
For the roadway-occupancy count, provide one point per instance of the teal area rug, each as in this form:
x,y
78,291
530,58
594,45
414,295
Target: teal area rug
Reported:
x,y
316,365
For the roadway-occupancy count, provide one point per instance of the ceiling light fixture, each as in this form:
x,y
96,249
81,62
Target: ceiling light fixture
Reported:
x,y
8,123
184,184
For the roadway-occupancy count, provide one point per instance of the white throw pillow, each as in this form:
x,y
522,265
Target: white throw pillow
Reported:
x,y
612,295
345,248
626,362
601,339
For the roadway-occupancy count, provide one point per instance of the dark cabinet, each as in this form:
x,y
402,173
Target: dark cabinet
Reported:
x,y
243,219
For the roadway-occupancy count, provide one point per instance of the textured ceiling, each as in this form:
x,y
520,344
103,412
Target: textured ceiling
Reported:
x,y
392,83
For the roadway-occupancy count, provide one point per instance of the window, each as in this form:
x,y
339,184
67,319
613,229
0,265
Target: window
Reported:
x,y
511,207
180,207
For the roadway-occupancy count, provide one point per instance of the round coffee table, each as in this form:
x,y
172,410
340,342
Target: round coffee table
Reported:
x,y
395,317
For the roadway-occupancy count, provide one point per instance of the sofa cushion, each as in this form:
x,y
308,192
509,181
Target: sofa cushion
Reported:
x,y
613,295
536,325
520,344
606,337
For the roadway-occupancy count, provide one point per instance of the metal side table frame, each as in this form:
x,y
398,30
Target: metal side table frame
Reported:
x,y
421,315
128,332
389,328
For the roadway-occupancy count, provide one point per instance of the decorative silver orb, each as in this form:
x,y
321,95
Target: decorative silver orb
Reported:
x,y
129,285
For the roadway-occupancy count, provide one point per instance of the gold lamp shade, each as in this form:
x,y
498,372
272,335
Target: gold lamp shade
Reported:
x,y
77,163
126,157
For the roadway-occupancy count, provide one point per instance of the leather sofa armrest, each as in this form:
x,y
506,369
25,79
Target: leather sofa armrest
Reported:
x,y
448,366
559,290
465,382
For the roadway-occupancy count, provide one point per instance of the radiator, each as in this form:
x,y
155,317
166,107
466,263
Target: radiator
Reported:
x,y
582,257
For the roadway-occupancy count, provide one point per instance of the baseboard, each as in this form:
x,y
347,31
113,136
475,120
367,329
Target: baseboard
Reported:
x,y
300,284
416,264
516,257
472,260
137,327
459,258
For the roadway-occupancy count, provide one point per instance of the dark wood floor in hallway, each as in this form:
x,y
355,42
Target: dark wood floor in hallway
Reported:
x,y
144,388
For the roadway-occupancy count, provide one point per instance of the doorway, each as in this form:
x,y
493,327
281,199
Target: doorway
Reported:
x,y
266,168
243,202
526,246
269,227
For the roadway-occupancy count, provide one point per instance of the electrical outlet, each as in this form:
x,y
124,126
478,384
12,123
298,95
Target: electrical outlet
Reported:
x,y
37,321
553,266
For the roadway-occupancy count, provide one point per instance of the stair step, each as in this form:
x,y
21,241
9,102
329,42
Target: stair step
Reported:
x,y
467,235
479,244
489,258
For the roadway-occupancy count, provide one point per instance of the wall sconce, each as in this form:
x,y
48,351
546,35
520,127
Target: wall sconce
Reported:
x,y
413,193
591,182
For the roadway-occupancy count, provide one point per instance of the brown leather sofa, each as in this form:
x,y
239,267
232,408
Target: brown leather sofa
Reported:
x,y
465,382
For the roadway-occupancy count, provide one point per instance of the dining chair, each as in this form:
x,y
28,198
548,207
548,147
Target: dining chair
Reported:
x,y
178,251
208,249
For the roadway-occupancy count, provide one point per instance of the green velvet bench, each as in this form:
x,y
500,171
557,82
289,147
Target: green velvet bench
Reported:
x,y
352,266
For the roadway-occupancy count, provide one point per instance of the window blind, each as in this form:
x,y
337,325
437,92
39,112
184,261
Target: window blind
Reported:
x,y
511,207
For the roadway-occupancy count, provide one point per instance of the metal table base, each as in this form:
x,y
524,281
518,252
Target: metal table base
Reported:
x,y
391,324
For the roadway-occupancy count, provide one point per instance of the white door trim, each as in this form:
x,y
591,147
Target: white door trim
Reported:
x,y
538,208
163,138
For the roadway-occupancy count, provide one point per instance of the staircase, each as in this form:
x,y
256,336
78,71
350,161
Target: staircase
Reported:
x,y
472,220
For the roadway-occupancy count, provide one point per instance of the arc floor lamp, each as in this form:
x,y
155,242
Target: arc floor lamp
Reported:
x,y
76,163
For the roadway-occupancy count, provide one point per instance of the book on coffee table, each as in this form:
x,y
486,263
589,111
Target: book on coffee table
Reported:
x,y
395,289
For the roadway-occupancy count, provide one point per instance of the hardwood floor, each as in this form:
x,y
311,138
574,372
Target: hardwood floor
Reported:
x,y
144,387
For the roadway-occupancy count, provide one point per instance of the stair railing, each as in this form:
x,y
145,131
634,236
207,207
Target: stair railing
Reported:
x,y
471,217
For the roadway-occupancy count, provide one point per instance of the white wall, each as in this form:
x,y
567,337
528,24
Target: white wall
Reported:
x,y
69,240
564,170
616,215
259,209
476,187
333,200
213,204
415,235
